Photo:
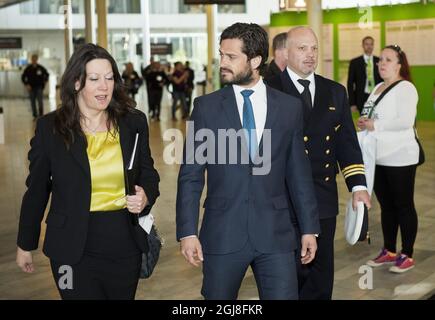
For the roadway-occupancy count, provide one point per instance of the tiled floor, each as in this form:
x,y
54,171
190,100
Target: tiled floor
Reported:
x,y
173,277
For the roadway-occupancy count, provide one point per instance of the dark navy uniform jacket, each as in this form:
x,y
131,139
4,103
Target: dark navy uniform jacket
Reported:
x,y
330,140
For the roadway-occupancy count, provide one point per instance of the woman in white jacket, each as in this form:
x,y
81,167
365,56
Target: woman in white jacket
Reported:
x,y
391,121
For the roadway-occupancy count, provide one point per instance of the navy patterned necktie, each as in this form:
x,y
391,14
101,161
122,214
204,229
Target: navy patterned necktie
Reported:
x,y
249,123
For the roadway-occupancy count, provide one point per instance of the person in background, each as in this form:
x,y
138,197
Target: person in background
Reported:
x,y
189,85
35,77
391,122
77,158
179,80
280,56
131,79
363,76
156,80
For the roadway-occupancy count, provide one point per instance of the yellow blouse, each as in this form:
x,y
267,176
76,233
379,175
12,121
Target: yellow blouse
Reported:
x,y
107,172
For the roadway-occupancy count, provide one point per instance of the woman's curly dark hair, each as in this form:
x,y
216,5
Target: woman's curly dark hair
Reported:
x,y
67,117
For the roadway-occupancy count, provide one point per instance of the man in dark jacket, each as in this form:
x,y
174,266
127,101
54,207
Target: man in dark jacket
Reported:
x,y
363,76
279,62
34,78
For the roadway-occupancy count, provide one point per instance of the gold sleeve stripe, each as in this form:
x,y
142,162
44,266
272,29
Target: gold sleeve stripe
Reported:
x,y
353,173
352,167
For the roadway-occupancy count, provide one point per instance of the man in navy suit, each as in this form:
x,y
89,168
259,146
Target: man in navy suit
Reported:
x,y
331,144
252,173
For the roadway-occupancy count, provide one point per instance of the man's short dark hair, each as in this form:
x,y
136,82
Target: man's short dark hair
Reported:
x,y
279,41
254,38
367,38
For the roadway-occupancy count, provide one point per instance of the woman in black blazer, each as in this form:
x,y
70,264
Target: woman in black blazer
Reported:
x,y
79,155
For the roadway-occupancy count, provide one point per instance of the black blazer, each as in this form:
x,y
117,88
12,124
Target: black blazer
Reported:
x,y
356,80
330,140
271,70
240,204
65,174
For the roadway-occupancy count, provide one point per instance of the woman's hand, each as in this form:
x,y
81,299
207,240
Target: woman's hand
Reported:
x,y
361,123
370,124
25,260
365,124
136,203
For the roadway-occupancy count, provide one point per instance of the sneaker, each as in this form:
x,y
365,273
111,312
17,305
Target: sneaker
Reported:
x,y
403,264
384,257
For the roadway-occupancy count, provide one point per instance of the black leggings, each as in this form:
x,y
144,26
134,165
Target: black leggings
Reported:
x,y
394,188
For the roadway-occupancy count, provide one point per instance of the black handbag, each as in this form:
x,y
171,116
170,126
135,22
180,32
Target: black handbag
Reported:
x,y
150,258
421,155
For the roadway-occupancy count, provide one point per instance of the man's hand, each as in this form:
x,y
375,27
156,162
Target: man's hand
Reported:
x,y
363,196
191,250
309,248
25,260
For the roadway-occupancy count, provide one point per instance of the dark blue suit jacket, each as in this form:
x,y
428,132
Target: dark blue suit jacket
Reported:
x,y
239,205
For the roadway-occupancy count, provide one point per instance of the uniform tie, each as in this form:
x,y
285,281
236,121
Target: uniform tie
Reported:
x,y
306,96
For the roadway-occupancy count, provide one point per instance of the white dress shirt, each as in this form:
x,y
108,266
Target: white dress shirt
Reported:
x,y
259,105
295,77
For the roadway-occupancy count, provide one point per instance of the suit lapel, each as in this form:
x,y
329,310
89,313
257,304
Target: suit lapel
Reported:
x,y
126,139
288,85
78,152
229,105
271,114
290,88
321,102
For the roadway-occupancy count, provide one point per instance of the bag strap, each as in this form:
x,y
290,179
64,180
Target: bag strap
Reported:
x,y
391,86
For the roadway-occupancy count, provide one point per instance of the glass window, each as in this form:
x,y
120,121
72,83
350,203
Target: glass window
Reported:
x,y
29,7
231,8
178,6
78,6
193,8
50,6
164,7
126,6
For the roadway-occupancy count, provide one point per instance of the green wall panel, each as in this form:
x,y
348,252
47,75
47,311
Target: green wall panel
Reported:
x,y
423,76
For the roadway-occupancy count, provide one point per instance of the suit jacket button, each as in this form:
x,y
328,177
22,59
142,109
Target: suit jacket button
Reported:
x,y
305,138
327,138
328,151
327,165
327,179
306,151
